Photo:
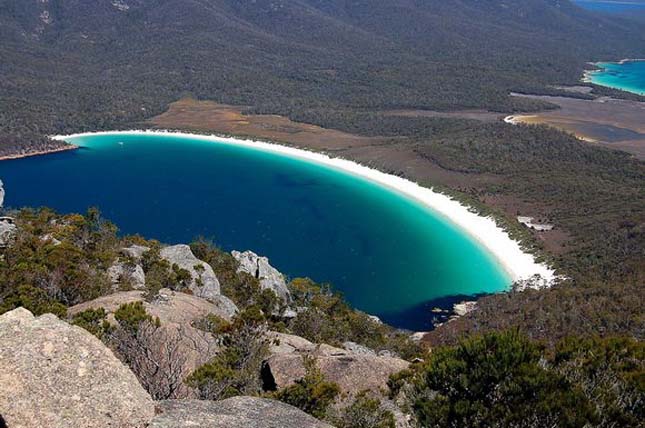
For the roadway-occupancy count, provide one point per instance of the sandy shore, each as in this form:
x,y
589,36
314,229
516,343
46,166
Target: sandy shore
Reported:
x,y
518,264
588,75
39,153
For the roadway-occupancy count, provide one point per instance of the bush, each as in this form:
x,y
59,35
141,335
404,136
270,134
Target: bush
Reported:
x,y
235,370
498,379
329,319
611,372
131,315
33,299
311,394
94,321
365,412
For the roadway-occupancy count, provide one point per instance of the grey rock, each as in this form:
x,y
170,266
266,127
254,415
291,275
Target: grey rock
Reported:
x,y
121,273
464,308
386,353
401,419
269,277
8,231
353,372
1,194
355,348
178,312
236,412
48,237
57,375
204,282
418,336
135,251
375,319
289,313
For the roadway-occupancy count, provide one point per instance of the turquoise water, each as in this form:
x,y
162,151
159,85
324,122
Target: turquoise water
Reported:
x,y
389,256
628,76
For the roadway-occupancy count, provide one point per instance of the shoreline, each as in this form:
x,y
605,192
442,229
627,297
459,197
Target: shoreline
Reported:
x,y
587,76
39,152
519,265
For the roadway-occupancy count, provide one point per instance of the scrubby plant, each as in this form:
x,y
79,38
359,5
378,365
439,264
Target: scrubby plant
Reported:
x,y
366,411
131,316
498,379
235,370
94,321
155,354
311,394
610,372
327,318
33,299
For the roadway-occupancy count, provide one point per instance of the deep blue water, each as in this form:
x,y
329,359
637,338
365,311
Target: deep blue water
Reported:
x,y
390,256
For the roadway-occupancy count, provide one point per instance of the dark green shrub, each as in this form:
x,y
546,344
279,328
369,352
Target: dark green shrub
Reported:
x,y
33,299
365,412
311,394
94,321
498,379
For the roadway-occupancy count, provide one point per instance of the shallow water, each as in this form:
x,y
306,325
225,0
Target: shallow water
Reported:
x,y
628,76
389,255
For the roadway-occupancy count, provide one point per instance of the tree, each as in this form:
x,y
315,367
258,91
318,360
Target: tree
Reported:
x,y
498,379
235,370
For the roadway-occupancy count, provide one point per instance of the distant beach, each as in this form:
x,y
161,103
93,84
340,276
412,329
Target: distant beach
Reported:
x,y
627,75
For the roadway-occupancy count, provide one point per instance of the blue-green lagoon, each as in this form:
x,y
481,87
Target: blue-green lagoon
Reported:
x,y
390,255
627,75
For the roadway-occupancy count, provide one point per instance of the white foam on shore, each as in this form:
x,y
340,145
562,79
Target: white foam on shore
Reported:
x,y
519,265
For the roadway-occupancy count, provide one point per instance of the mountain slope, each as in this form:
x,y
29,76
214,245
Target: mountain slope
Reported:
x,y
70,65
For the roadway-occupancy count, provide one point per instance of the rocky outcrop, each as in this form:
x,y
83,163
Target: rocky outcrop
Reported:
x,y
236,412
7,228
132,275
204,283
57,375
178,312
268,276
354,370
135,252
8,231
127,271
170,306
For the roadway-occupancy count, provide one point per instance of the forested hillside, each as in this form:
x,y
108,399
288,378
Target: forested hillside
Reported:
x,y
74,65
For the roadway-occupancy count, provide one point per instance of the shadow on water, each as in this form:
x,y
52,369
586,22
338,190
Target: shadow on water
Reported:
x,y
429,314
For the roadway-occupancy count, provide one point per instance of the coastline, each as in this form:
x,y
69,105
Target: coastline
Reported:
x,y
39,152
588,75
519,265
